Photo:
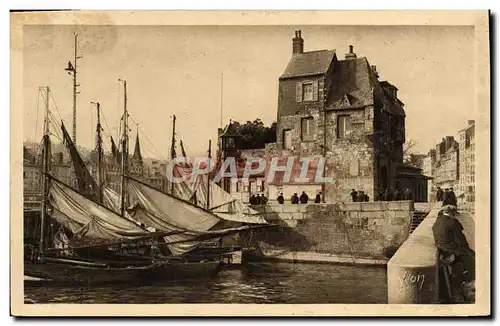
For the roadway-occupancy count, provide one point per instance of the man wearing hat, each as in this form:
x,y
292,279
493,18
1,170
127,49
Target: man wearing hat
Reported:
x,y
453,247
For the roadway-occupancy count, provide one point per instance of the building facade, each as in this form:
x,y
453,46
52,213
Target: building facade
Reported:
x,y
467,178
340,110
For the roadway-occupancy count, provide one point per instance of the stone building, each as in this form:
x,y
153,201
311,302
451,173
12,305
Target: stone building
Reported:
x,y
428,169
466,184
339,109
447,169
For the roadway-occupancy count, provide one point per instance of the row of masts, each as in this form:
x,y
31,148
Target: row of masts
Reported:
x,y
72,70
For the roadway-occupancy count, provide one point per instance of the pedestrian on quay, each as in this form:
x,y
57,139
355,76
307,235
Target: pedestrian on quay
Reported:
x,y
388,194
353,194
252,200
263,199
397,194
317,200
366,197
454,249
439,194
453,197
361,196
304,198
295,198
445,194
280,198
258,200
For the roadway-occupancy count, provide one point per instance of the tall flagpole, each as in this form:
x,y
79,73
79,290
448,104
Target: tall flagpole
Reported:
x,y
208,175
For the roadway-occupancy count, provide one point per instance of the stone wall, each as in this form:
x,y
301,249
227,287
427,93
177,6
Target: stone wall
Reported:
x,y
361,230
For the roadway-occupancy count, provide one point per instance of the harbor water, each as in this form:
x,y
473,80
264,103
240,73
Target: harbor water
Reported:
x,y
257,283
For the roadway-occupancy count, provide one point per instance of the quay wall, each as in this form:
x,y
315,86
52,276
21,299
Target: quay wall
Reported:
x,y
358,231
412,273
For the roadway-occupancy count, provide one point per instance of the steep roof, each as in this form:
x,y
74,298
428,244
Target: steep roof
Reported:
x,y
352,78
308,63
355,80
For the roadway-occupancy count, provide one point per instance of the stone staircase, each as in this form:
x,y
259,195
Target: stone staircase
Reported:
x,y
417,218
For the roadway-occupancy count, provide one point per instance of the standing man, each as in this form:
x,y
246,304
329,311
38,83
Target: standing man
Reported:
x,y
439,194
304,198
317,200
453,197
294,199
280,198
353,194
388,194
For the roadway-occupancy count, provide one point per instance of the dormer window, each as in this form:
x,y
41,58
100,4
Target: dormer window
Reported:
x,y
307,91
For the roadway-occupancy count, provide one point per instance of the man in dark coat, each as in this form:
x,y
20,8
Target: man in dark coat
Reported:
x,y
353,194
397,194
445,194
263,199
361,196
366,197
453,197
280,199
294,199
304,198
448,198
388,194
453,247
252,200
439,194
258,200
317,200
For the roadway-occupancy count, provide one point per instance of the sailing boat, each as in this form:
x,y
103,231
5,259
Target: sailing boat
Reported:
x,y
86,220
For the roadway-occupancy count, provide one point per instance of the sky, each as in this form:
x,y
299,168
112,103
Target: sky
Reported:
x,y
178,69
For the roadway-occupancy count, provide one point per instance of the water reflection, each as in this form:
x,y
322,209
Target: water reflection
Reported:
x,y
257,283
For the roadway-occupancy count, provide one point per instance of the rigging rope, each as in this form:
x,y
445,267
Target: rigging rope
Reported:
x,y
37,106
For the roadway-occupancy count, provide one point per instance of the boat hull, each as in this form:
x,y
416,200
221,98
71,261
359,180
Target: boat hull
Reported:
x,y
59,272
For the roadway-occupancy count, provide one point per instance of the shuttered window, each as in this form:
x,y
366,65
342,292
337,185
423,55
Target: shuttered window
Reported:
x,y
306,91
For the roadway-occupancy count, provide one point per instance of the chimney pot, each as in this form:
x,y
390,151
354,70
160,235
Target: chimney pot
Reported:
x,y
351,54
471,122
297,43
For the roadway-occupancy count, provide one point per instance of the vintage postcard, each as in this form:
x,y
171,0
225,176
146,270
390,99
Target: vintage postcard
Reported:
x,y
316,163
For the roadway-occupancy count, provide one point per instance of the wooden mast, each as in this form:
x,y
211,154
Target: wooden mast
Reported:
x,y
172,154
208,175
124,150
99,152
45,171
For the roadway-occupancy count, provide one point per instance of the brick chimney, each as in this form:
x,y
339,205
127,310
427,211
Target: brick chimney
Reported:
x,y
470,122
374,69
298,43
351,54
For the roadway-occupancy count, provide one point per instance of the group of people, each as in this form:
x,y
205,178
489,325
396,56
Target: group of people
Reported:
x,y
303,199
394,195
359,196
258,199
447,196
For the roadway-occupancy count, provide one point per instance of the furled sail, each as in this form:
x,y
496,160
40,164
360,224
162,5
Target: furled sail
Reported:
x,y
167,213
85,181
87,219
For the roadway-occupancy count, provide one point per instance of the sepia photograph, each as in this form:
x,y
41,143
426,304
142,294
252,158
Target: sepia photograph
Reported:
x,y
272,161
